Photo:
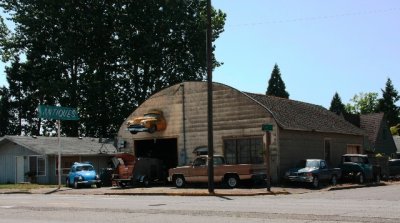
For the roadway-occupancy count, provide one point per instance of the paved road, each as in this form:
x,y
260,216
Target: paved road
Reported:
x,y
372,204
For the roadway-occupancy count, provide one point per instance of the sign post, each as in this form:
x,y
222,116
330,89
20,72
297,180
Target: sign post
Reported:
x,y
267,128
58,113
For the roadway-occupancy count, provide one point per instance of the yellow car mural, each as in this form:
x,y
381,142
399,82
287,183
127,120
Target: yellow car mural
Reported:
x,y
150,122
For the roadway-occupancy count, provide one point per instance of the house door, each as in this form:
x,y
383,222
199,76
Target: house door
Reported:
x,y
19,169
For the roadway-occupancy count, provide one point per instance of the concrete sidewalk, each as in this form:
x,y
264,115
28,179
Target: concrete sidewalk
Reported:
x,y
172,191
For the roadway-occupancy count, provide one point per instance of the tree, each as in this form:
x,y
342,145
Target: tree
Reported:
x,y
106,57
363,103
276,86
7,118
387,103
336,105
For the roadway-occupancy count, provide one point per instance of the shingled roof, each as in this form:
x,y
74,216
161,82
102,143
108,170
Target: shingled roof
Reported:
x,y
69,145
371,123
296,115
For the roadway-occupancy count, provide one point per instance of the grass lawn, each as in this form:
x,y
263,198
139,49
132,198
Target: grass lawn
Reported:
x,y
25,186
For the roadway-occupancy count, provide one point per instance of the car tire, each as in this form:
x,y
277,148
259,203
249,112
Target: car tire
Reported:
x,y
146,182
232,181
76,185
98,185
378,178
315,182
67,184
334,180
179,181
360,178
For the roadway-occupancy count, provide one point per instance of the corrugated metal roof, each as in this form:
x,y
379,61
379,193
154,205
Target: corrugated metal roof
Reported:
x,y
69,145
296,115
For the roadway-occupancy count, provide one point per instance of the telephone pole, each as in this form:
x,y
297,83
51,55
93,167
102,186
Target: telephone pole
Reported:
x,y
209,102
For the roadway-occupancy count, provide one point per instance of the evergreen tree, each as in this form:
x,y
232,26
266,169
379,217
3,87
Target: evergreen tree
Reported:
x,y
387,103
336,105
7,118
276,86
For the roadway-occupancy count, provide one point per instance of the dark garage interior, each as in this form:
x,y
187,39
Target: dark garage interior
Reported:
x,y
163,149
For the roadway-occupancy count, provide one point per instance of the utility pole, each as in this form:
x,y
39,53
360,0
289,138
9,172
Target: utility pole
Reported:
x,y
209,102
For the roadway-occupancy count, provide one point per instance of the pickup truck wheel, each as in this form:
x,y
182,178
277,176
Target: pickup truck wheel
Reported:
x,y
334,180
378,178
146,182
315,182
179,181
360,178
232,181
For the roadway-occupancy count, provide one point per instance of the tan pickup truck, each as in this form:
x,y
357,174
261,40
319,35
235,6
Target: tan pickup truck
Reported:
x,y
229,174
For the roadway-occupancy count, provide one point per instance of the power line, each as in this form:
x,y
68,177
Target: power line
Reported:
x,y
317,18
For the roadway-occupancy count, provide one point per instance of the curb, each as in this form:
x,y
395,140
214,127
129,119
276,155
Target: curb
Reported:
x,y
198,194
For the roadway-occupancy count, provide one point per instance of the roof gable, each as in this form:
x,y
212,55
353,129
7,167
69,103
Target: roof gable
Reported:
x,y
371,123
296,115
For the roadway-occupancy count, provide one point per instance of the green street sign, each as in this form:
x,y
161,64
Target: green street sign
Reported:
x,y
58,113
266,127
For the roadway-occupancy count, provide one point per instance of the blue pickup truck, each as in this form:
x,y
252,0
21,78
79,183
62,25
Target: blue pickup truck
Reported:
x,y
313,171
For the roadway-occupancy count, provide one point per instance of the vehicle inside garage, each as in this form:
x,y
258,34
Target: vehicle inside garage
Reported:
x,y
163,149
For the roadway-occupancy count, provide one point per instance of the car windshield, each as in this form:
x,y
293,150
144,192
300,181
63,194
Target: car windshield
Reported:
x,y
308,163
151,115
84,168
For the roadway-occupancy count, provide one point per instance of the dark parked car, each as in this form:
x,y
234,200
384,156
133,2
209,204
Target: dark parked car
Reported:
x,y
394,168
357,167
313,171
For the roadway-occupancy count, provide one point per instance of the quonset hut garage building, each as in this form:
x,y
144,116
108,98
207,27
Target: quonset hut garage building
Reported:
x,y
299,130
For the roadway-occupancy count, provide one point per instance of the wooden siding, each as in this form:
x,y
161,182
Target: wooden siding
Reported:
x,y
8,153
234,115
297,145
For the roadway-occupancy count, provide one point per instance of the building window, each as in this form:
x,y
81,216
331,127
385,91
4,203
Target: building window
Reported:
x,y
244,150
66,163
353,149
37,165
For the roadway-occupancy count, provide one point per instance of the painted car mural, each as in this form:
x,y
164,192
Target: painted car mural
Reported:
x,y
150,122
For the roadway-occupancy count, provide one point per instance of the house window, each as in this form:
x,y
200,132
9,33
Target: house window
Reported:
x,y
66,163
37,165
327,150
353,149
244,150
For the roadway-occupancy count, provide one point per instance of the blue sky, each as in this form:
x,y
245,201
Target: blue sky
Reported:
x,y
321,47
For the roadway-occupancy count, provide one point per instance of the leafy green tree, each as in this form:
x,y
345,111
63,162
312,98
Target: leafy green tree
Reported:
x,y
363,103
276,86
336,105
106,57
387,103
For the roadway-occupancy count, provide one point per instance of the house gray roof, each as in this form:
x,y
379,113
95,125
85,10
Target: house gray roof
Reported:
x,y
296,115
69,145
371,123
